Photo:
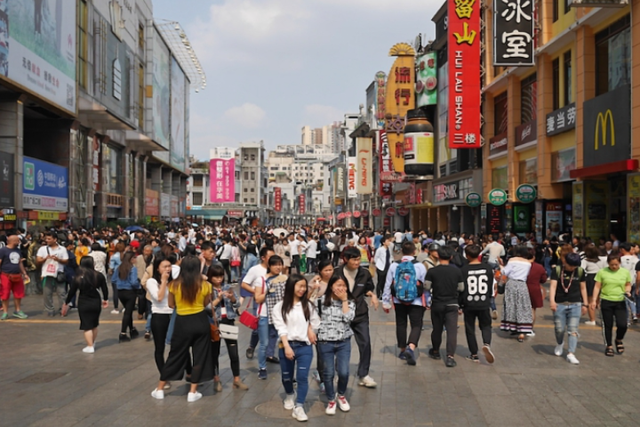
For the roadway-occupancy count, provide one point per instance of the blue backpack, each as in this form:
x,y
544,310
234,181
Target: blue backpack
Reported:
x,y
405,282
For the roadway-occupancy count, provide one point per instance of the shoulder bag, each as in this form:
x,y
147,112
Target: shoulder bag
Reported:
x,y
213,325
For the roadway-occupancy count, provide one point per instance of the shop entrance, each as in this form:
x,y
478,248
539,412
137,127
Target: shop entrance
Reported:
x,y
618,207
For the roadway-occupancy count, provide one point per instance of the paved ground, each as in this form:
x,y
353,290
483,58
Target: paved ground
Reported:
x,y
45,380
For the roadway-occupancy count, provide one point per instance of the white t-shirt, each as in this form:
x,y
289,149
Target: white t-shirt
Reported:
x,y
50,268
398,237
255,278
312,249
294,246
158,307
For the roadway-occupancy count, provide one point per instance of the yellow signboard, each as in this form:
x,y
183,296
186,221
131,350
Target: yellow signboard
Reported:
x,y
601,125
48,216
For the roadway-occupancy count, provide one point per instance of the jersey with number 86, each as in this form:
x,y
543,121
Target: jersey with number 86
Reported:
x,y
478,286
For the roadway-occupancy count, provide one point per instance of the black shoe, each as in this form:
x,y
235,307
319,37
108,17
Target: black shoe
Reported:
x,y
249,353
450,363
134,333
273,360
434,355
473,358
123,338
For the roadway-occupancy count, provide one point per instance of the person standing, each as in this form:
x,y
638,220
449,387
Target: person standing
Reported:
x,y
125,278
224,256
158,291
535,279
295,255
12,277
517,316
445,283
312,253
53,257
360,286
405,281
591,265
382,260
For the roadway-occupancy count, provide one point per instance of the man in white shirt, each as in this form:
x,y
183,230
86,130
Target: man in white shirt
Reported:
x,y
382,260
293,250
312,253
628,261
53,257
255,278
495,250
224,256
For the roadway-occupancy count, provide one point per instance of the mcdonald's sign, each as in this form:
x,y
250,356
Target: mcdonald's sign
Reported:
x,y
607,128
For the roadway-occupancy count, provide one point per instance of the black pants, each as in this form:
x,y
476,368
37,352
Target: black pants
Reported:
x,y
414,313
232,349
128,299
226,264
484,321
444,315
114,288
142,303
295,262
361,332
336,257
382,278
191,332
159,328
611,309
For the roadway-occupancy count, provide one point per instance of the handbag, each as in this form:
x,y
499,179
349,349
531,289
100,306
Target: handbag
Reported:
x,y
229,332
248,319
61,277
213,326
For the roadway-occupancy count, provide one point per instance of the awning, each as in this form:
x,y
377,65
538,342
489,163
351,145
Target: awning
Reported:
x,y
630,165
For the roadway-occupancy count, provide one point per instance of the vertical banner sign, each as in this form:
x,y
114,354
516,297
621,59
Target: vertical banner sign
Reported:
x,y
301,204
6,183
95,163
633,217
387,174
381,82
340,181
596,204
464,82
364,160
578,209
352,192
277,199
513,32
400,99
223,182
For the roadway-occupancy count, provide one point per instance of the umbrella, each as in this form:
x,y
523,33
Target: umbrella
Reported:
x,y
134,228
277,232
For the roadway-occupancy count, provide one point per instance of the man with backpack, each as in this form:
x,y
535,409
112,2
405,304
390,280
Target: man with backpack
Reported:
x,y
405,282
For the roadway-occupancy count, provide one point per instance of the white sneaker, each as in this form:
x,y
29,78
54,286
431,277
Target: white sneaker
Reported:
x,y
488,354
193,397
590,322
559,349
331,408
114,311
89,349
343,404
531,334
571,358
299,414
290,401
157,394
367,382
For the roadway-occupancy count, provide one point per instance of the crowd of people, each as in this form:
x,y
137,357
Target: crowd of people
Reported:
x,y
308,291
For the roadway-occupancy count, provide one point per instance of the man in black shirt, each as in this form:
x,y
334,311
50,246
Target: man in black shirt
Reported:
x,y
475,302
445,282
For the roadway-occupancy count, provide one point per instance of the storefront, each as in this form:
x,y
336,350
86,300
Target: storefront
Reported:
x,y
449,200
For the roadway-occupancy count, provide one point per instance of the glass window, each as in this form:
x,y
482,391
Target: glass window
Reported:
x,y
555,10
83,44
567,78
246,176
529,171
113,167
555,80
501,113
613,56
197,199
197,180
253,175
500,178
528,96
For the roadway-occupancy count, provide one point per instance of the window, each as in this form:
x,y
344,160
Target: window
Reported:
x,y
555,10
253,200
83,45
113,168
197,180
141,94
501,113
500,178
246,176
245,200
567,78
244,190
555,77
253,176
613,56
253,157
566,6
253,190
197,199
141,38
246,157
528,96
529,171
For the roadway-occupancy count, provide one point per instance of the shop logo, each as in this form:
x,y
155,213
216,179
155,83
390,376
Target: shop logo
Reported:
x,y
601,124
29,176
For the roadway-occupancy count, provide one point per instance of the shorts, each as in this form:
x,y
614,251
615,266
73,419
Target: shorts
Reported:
x,y
7,286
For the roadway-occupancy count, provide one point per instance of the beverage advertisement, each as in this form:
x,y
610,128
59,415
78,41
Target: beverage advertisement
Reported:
x,y
521,219
553,223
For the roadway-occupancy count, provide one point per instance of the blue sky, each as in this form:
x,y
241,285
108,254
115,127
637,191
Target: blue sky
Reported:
x,y
273,66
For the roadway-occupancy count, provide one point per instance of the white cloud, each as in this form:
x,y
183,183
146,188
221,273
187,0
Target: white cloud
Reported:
x,y
316,115
247,115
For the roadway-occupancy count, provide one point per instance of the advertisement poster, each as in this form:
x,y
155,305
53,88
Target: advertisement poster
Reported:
x,y
387,173
45,186
38,48
539,214
277,199
521,219
223,182
165,204
6,183
426,80
595,196
161,92
364,184
553,223
578,209
151,202
351,182
302,205
633,218
177,115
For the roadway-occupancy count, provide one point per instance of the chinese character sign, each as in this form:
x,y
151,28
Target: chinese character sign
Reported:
x,y
302,204
351,183
513,33
222,179
277,199
365,174
464,81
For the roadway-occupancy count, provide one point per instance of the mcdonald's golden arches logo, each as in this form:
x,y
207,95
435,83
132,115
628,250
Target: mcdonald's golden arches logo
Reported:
x,y
601,125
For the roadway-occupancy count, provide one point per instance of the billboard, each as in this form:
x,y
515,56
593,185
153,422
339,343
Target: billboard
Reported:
x,y
44,186
364,181
464,83
351,182
6,180
161,92
223,182
513,33
177,115
426,80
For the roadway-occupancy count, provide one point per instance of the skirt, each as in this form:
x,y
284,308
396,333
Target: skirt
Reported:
x,y
517,313
591,283
535,295
89,310
191,332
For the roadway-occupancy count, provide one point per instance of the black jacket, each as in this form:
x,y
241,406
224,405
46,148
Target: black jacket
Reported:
x,y
364,284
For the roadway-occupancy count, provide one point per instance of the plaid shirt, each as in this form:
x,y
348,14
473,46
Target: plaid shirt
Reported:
x,y
275,293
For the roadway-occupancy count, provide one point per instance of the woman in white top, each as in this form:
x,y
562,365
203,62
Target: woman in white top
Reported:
x,y
592,263
99,259
517,316
296,321
158,293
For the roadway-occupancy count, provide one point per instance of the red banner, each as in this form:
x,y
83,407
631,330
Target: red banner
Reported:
x,y
390,211
301,204
464,63
403,211
277,199
377,212
387,173
356,214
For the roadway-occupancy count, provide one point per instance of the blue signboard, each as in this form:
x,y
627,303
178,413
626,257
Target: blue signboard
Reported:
x,y
45,186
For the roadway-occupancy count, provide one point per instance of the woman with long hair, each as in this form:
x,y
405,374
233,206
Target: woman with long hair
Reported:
x,y
158,291
189,295
613,284
334,340
365,251
591,265
318,287
274,292
296,319
517,316
114,262
125,278
90,304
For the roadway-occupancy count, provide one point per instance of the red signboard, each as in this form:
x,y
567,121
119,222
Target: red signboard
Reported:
x,y
403,211
390,211
234,213
151,202
277,199
387,222
377,212
365,214
464,63
301,204
348,214
356,214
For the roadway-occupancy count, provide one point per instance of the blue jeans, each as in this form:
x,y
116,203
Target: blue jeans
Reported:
x,y
172,324
336,355
148,325
547,265
568,317
273,339
303,355
263,333
235,274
